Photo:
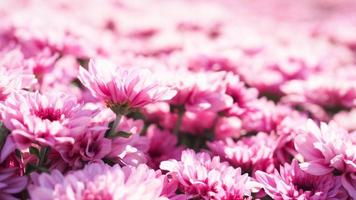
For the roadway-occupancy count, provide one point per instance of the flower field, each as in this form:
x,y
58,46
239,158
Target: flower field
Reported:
x,y
177,100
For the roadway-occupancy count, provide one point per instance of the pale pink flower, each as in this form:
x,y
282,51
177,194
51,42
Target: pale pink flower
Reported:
x,y
13,81
326,150
321,90
346,119
291,182
228,127
200,176
200,91
123,87
11,183
99,181
249,153
43,118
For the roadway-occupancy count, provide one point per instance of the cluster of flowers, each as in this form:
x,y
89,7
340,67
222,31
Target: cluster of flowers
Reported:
x,y
217,100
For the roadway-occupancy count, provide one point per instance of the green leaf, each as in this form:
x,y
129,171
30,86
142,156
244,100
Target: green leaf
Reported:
x,y
30,168
123,134
34,151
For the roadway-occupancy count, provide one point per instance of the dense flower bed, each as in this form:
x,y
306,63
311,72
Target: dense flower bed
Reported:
x,y
178,99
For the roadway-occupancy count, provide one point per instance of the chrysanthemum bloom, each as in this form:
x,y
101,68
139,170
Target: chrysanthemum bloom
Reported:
x,y
43,118
12,81
123,88
163,146
200,176
11,183
200,91
130,148
99,181
88,147
227,127
326,150
249,153
346,119
320,90
293,183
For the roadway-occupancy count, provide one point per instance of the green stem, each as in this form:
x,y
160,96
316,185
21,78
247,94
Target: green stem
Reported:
x,y
114,125
179,120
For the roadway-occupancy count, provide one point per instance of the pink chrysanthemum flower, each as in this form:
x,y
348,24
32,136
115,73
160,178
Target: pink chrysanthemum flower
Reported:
x,y
328,149
163,146
200,91
99,181
321,90
200,176
293,183
129,149
43,118
123,88
249,153
12,81
88,147
11,183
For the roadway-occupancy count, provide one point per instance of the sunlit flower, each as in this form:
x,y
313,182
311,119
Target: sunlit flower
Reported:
x,y
123,88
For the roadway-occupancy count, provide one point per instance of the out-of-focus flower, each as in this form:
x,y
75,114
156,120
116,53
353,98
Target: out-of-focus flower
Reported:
x,y
326,150
293,183
11,183
200,176
228,127
163,146
321,90
123,88
200,91
99,181
13,81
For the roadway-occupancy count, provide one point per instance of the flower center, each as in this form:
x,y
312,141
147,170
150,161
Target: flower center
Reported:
x,y
306,184
49,114
101,195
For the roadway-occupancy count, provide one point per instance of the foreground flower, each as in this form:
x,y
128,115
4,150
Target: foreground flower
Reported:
x,y
11,183
293,183
123,88
326,150
200,176
99,181
43,118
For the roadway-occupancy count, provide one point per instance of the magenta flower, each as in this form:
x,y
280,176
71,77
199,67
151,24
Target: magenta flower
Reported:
x,y
99,181
43,118
200,176
123,88
11,183
291,182
163,146
88,147
326,150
